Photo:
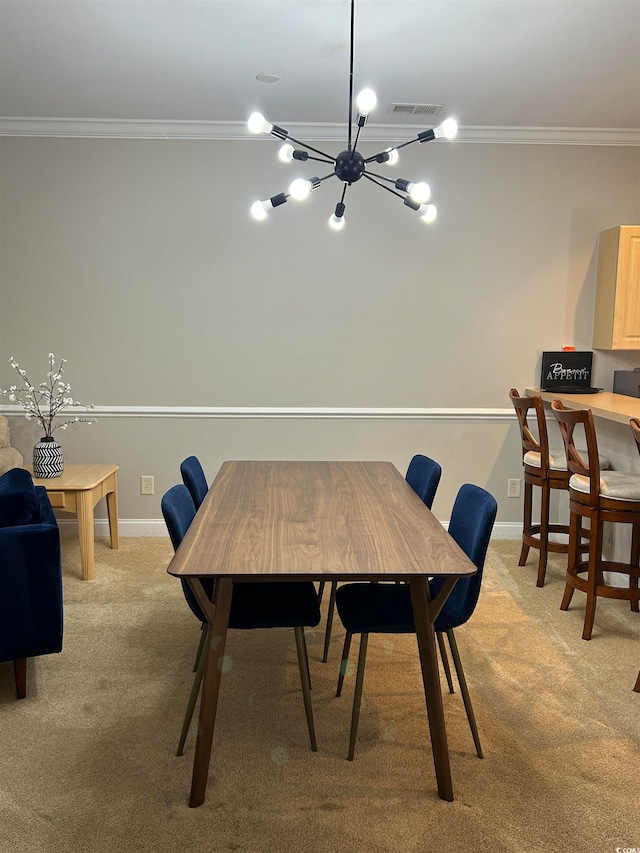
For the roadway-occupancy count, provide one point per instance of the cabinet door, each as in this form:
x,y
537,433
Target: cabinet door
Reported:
x,y
616,321
626,323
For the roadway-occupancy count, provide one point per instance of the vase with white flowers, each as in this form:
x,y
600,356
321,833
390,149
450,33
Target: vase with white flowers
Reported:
x,y
45,403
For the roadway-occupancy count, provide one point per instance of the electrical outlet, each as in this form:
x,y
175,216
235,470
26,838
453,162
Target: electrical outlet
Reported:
x,y
146,485
513,488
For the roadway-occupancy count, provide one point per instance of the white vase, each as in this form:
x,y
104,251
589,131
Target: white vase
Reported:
x,y
47,458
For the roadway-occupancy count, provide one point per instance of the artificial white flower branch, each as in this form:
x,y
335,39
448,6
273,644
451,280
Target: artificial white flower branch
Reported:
x,y
48,400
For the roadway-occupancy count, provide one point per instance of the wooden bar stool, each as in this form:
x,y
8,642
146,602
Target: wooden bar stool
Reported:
x,y
600,496
547,469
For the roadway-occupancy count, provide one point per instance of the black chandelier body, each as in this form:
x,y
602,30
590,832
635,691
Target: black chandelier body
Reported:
x,y
349,166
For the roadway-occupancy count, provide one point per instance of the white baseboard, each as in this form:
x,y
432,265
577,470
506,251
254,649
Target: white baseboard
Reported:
x,y
157,527
507,530
126,527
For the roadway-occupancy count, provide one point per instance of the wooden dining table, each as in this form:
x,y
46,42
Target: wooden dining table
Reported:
x,y
321,521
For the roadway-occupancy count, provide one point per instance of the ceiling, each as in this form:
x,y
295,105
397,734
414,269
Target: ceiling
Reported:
x,y
491,63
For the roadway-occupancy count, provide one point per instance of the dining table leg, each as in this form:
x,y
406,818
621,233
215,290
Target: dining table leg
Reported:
x,y
217,614
424,618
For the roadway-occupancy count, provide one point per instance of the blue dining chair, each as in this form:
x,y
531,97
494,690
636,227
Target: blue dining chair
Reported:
x,y
261,604
366,608
423,475
194,479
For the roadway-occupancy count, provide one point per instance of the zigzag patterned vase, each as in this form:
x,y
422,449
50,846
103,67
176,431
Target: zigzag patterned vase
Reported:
x,y
47,459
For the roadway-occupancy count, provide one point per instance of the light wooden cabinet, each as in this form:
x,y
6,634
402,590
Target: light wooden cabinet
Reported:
x,y
616,322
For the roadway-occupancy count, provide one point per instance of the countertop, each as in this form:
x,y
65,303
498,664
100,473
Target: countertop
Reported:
x,y
604,404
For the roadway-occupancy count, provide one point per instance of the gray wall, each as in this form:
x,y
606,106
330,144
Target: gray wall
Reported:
x,y
137,261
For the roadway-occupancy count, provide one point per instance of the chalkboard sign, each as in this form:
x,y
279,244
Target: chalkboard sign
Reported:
x,y
567,372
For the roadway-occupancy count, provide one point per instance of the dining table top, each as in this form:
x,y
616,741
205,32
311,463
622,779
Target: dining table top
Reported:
x,y
317,520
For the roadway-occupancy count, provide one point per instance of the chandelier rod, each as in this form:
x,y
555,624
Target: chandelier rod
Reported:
x,y
409,142
367,175
381,177
284,134
321,160
355,144
396,147
325,178
351,77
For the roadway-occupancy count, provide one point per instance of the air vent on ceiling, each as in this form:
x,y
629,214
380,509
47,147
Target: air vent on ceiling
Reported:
x,y
415,109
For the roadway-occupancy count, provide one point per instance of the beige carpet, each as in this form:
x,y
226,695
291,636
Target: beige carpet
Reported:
x,y
88,764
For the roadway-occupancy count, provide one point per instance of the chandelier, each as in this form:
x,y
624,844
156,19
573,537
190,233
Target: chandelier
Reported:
x,y
349,166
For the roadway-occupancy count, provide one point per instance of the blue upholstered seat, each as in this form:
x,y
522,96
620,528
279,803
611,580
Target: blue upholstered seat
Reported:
x,y
31,609
253,605
366,608
193,477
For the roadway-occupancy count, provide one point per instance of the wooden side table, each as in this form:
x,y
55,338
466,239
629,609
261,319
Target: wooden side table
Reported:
x,y
78,489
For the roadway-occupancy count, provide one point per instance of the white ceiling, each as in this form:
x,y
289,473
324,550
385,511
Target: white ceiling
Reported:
x,y
492,63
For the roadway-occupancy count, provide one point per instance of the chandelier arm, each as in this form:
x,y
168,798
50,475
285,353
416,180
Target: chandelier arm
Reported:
x,y
375,157
404,144
319,160
381,177
306,145
382,186
351,75
326,177
396,147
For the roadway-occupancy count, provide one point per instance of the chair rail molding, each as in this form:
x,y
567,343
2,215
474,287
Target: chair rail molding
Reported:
x,y
284,412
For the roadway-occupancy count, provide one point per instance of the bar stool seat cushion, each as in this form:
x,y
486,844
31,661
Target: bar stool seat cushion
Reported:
x,y
615,485
558,459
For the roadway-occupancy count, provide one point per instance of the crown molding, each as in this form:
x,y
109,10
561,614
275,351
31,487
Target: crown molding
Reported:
x,y
134,129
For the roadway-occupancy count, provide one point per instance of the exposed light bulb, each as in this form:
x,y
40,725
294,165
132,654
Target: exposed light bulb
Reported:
x,y
366,101
258,124
300,188
419,191
428,212
394,156
448,129
286,153
336,221
259,209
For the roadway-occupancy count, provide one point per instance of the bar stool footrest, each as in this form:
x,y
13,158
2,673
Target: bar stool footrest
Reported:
x,y
574,579
531,537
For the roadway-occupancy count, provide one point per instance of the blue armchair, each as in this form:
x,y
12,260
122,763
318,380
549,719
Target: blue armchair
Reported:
x,y
31,610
